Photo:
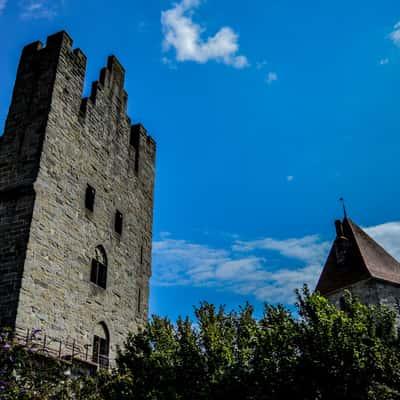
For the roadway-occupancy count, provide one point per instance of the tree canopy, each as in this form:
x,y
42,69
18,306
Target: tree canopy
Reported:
x,y
320,353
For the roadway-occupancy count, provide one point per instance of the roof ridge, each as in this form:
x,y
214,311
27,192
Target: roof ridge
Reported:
x,y
377,268
353,224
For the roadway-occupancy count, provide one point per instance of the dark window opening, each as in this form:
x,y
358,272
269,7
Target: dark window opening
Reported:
x,y
98,274
136,131
118,222
139,301
135,135
141,254
89,197
100,351
342,303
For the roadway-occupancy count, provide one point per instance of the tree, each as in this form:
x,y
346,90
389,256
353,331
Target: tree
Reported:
x,y
319,353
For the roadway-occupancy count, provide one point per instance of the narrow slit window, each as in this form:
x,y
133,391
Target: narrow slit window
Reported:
x,y
139,301
141,254
119,219
89,197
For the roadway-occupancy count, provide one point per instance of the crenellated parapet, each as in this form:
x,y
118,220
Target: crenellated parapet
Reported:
x,y
109,89
51,77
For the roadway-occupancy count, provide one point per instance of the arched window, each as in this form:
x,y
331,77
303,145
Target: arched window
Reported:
x,y
101,345
98,273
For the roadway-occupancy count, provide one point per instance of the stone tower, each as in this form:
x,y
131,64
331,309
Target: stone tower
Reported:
x,y
76,203
358,264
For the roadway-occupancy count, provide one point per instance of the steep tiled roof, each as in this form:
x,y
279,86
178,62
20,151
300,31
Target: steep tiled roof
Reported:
x,y
363,259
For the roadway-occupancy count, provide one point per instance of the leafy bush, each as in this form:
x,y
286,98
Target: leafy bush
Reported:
x,y
27,374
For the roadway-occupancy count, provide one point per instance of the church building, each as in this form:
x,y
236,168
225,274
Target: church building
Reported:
x,y
359,264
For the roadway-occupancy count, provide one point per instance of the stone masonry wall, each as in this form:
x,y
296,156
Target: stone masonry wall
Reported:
x,y
89,141
20,149
365,290
373,292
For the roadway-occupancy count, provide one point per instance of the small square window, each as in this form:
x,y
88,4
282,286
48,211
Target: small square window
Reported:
x,y
89,197
119,218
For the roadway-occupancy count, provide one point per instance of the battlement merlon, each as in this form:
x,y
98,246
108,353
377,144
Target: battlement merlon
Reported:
x,y
60,64
38,74
48,89
108,92
145,156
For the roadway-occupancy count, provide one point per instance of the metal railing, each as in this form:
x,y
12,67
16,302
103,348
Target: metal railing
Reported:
x,y
37,341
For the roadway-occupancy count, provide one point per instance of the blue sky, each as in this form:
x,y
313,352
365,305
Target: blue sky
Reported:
x,y
264,112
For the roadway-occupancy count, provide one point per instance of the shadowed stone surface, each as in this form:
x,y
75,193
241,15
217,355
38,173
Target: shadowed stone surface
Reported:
x,y
54,145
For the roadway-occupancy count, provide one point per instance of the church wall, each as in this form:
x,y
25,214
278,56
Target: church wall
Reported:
x,y
367,291
372,292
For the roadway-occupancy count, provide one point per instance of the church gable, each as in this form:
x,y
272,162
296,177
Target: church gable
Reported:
x,y
345,265
355,257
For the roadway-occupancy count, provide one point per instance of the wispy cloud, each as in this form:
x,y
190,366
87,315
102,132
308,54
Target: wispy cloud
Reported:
x,y
271,78
309,249
39,9
394,36
384,61
3,4
168,62
261,64
183,35
290,178
267,268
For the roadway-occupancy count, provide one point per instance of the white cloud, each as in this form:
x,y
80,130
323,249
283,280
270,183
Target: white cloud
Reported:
x,y
271,77
290,178
185,36
169,63
268,268
261,64
384,61
309,249
39,9
3,4
395,34
388,236
239,270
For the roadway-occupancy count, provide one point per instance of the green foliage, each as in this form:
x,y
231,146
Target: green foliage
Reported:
x,y
27,374
320,352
